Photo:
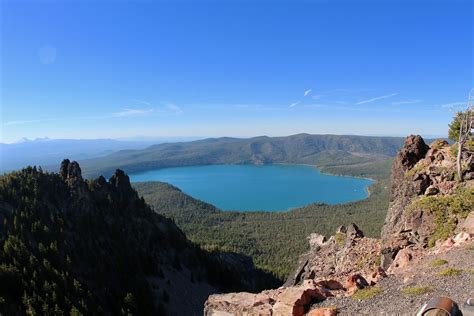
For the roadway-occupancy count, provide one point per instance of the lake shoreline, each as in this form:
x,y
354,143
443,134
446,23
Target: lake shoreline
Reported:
x,y
247,188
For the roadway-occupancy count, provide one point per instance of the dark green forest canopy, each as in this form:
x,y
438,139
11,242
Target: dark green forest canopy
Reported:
x,y
318,150
75,247
273,240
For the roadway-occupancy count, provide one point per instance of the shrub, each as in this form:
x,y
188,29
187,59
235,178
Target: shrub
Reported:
x,y
366,293
416,169
417,290
445,208
450,272
438,263
340,239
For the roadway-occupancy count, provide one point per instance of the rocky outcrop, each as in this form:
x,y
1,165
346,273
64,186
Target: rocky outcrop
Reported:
x,y
283,301
403,191
335,267
346,253
420,171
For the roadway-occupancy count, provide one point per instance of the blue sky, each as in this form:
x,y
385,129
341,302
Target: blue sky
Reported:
x,y
81,69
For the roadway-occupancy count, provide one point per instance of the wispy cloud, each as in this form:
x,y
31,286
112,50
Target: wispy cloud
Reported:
x,y
173,107
141,102
307,92
20,122
376,98
406,102
292,105
453,105
317,96
132,112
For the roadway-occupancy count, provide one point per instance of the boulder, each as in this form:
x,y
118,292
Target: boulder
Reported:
x,y
354,232
316,240
330,284
283,301
421,182
413,151
401,261
239,304
468,225
296,300
461,238
431,190
355,282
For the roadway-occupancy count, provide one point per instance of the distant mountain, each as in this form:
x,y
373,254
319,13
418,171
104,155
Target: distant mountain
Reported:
x,y
319,150
75,247
45,151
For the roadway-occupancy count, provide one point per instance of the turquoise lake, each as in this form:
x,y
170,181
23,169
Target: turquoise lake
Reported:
x,y
264,188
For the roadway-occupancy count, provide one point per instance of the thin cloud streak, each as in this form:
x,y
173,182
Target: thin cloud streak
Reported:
x,y
292,105
376,98
173,107
454,106
406,102
20,122
307,92
132,112
142,102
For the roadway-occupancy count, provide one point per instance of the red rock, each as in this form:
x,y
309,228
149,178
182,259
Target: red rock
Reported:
x,y
354,282
401,261
295,300
376,276
330,284
323,311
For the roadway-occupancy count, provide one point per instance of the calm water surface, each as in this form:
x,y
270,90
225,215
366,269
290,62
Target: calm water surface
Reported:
x,y
266,188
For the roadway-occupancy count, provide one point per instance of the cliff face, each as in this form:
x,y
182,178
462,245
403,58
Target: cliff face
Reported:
x,y
427,203
95,247
403,190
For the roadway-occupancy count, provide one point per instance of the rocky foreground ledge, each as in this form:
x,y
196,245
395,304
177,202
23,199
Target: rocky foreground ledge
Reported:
x,y
332,268
426,249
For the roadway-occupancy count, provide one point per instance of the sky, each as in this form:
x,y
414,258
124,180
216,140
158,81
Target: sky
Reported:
x,y
119,69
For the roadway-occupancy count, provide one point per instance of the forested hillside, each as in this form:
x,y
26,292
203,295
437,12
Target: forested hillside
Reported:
x,y
273,240
318,150
75,247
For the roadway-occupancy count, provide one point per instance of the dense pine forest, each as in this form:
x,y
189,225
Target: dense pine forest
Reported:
x,y
75,247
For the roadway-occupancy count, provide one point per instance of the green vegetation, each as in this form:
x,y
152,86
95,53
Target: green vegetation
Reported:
x,y
455,125
416,169
438,263
450,272
437,144
470,271
366,293
446,208
340,238
417,290
93,249
274,240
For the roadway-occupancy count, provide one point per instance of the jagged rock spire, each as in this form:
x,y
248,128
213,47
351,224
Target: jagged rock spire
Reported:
x,y
120,181
70,170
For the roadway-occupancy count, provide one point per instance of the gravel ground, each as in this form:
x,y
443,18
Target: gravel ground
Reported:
x,y
392,301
